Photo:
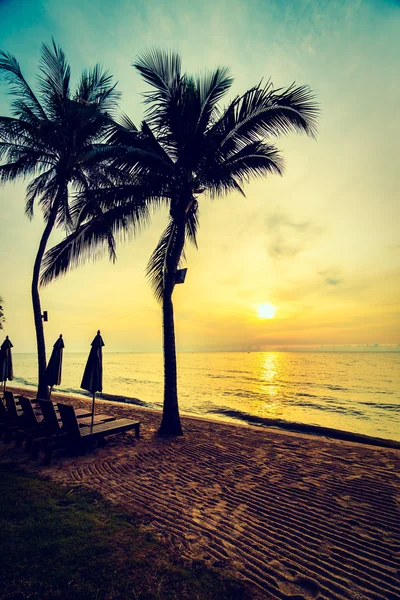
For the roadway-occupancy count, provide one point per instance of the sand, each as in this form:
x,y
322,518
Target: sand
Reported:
x,y
297,516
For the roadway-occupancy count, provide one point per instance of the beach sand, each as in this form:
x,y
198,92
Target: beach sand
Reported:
x,y
297,516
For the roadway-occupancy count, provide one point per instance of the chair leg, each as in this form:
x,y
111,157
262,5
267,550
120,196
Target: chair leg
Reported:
x,y
29,443
19,438
35,450
48,454
8,436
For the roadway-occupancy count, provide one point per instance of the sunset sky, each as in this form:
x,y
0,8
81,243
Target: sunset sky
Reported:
x,y
321,244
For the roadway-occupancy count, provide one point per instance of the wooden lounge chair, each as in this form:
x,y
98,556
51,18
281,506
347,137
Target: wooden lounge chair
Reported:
x,y
78,438
55,431
13,412
92,432
33,424
14,417
3,416
54,423
3,412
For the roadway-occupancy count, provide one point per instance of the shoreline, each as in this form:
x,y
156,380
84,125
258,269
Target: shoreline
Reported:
x,y
295,515
259,423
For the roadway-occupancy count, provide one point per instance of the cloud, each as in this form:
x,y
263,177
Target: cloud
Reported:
x,y
331,276
307,45
287,238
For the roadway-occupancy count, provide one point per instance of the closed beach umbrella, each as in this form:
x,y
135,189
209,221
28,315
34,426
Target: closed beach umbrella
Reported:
x,y
92,379
6,367
52,375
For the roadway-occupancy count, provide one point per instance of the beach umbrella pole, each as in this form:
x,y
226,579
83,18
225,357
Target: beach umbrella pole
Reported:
x,y
93,407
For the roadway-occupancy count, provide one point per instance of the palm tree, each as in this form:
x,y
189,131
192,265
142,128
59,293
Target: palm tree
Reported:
x,y
189,146
54,139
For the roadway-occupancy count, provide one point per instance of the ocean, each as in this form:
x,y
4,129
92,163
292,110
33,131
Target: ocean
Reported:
x,y
353,391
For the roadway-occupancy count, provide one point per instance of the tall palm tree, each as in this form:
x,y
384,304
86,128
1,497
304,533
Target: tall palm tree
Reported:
x,y
54,139
189,146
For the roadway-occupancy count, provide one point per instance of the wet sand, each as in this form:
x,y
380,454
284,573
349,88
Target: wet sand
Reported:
x,y
298,516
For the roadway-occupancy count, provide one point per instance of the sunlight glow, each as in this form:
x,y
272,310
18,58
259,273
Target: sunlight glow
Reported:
x,y
266,311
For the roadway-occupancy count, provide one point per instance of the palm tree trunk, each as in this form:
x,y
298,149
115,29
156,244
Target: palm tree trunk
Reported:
x,y
171,423
43,391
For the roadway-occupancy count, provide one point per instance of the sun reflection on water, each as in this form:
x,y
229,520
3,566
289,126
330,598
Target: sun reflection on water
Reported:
x,y
268,385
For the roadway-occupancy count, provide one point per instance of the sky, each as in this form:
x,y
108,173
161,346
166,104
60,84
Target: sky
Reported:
x,y
321,243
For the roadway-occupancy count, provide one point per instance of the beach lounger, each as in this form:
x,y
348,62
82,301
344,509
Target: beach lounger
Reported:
x,y
77,437
96,431
53,419
33,425
56,434
3,416
13,412
14,417
3,412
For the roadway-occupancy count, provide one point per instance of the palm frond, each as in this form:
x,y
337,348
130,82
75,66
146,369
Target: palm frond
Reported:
x,y
20,169
91,239
36,188
253,160
133,201
87,241
55,78
162,71
122,131
11,152
64,218
156,265
124,121
96,88
263,112
192,223
153,146
18,87
13,129
211,88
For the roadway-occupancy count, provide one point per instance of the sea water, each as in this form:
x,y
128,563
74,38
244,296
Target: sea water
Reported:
x,y
353,391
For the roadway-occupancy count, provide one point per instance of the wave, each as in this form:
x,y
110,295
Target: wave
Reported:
x,y
304,428
390,407
132,380
336,387
106,396
99,395
25,382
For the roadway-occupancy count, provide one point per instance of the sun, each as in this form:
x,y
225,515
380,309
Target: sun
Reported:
x,y
266,311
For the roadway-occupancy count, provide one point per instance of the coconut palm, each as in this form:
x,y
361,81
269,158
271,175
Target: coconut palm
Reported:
x,y
53,139
191,147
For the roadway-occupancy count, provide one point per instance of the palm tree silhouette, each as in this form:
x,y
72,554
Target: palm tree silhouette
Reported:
x,y
53,138
186,147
